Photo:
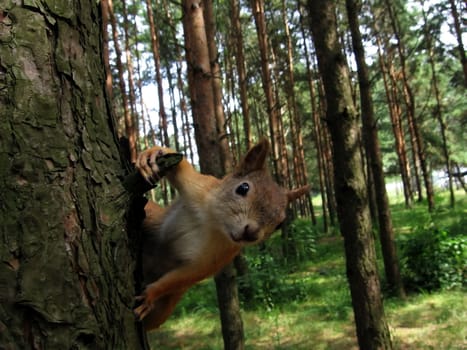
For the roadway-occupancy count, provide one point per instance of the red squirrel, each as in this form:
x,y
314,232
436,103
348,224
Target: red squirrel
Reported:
x,y
205,227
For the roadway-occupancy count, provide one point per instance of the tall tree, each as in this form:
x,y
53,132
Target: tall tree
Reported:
x,y
438,108
266,78
409,99
200,77
372,147
350,188
130,130
157,67
66,278
237,34
458,29
385,61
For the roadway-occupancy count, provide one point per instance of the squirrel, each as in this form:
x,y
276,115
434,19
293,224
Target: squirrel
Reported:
x,y
205,227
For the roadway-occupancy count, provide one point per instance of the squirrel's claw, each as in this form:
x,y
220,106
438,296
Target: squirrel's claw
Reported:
x,y
143,310
147,165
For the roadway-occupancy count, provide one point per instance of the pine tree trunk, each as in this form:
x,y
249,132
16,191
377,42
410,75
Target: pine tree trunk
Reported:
x,y
394,113
130,130
209,150
316,123
129,67
438,108
241,70
200,86
105,47
66,278
460,44
157,67
350,188
409,99
216,80
370,135
260,22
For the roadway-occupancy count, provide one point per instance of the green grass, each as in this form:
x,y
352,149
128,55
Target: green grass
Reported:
x,y
315,311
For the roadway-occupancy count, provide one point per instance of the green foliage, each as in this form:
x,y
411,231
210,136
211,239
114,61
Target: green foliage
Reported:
x,y
269,281
433,259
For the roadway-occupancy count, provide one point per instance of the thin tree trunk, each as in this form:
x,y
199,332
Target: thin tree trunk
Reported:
x,y
370,135
316,123
130,130
180,86
410,105
216,80
438,108
129,66
298,154
105,47
200,84
351,194
157,67
327,157
394,113
67,272
260,22
209,150
237,34
460,44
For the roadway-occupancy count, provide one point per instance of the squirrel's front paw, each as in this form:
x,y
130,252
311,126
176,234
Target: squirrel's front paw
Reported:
x,y
146,306
147,165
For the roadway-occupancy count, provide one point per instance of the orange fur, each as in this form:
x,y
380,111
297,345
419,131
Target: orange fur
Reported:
x,y
206,227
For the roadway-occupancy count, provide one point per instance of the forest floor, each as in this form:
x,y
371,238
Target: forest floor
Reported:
x,y
314,310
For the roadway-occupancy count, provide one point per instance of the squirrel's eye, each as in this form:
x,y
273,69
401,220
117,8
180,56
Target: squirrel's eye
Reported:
x,y
243,189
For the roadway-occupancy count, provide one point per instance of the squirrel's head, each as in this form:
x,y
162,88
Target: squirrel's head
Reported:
x,y
249,205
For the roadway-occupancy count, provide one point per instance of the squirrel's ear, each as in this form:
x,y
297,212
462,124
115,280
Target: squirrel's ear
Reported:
x,y
297,192
255,159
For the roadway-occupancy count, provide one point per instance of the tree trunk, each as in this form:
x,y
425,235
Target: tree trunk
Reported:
x,y
129,67
105,48
460,44
200,86
130,131
241,70
216,79
370,135
207,139
409,99
351,194
316,128
66,278
298,155
260,22
438,108
395,116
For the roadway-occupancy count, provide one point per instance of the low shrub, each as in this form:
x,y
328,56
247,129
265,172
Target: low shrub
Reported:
x,y
431,259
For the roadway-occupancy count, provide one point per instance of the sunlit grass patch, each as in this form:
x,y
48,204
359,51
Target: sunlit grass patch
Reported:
x,y
199,330
429,321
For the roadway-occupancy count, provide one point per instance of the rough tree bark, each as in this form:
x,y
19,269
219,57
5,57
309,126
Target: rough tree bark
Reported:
x,y
370,136
257,7
203,99
66,277
350,188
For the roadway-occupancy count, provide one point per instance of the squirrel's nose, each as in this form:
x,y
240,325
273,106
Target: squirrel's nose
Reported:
x,y
250,232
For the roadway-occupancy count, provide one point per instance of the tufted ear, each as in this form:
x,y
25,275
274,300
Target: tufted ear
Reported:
x,y
298,192
255,159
